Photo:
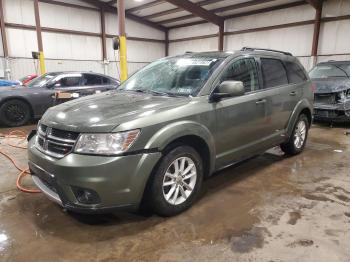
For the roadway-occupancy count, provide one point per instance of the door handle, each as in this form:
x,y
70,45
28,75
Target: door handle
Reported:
x,y
261,101
293,93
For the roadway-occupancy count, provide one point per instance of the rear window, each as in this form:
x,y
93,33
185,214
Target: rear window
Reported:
x,y
92,80
325,71
106,81
274,73
295,73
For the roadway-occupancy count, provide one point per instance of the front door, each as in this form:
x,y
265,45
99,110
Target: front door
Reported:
x,y
239,119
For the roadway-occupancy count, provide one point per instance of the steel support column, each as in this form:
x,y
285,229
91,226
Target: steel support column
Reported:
x,y
122,37
221,37
7,72
103,40
39,37
316,36
167,43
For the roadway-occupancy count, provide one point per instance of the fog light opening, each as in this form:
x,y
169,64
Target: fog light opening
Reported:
x,y
86,196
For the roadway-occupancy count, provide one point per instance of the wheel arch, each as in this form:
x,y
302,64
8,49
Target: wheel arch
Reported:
x,y
187,133
303,107
20,99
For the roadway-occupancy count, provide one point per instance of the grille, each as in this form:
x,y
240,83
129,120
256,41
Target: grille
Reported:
x,y
325,98
55,142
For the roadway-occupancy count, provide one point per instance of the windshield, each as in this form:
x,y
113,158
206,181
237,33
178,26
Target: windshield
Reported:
x,y
41,81
173,76
325,71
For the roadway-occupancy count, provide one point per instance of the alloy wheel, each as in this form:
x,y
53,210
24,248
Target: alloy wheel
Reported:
x,y
15,113
300,134
179,180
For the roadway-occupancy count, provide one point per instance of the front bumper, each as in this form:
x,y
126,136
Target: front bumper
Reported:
x,y
118,181
333,112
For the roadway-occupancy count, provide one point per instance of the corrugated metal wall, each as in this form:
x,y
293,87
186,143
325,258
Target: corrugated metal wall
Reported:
x,y
334,36
71,51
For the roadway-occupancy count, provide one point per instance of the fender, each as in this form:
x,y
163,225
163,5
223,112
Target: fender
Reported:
x,y
22,98
176,130
300,106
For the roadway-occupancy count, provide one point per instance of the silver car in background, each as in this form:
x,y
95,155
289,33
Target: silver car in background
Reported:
x,y
332,91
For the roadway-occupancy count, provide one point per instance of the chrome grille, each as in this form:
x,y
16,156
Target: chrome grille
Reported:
x,y
55,142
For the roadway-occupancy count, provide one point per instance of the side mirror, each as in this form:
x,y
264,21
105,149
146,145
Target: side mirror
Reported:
x,y
228,89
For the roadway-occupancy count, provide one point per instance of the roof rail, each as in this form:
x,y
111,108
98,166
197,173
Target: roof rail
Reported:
x,y
264,49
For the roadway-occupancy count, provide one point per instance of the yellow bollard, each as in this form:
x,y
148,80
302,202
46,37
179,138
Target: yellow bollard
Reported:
x,y
42,63
123,59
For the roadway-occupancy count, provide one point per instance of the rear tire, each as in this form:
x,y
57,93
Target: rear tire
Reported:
x,y
296,143
14,113
177,181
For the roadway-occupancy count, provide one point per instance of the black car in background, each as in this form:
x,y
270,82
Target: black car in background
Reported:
x,y
19,104
332,91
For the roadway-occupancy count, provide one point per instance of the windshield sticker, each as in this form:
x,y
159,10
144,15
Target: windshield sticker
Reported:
x,y
191,62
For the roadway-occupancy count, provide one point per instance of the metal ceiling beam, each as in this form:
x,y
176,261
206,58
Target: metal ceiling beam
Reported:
x,y
198,11
112,2
315,3
133,17
218,10
240,5
177,9
144,6
254,12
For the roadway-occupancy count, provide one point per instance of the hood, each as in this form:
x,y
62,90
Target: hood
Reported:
x,y
331,85
104,112
11,88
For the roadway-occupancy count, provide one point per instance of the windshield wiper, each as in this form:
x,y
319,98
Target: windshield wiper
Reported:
x,y
149,91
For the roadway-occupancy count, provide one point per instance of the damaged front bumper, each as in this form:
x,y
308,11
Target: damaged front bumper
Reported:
x,y
339,112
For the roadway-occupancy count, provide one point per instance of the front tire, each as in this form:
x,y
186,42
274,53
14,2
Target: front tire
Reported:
x,y
176,182
14,113
296,143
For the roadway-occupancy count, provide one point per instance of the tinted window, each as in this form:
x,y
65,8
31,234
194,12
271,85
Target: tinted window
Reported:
x,y
324,71
274,73
69,81
92,80
295,73
105,81
245,71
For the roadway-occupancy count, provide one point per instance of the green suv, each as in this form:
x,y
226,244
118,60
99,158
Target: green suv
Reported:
x,y
168,127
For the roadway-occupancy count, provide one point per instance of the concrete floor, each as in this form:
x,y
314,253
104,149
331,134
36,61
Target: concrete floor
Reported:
x,y
271,208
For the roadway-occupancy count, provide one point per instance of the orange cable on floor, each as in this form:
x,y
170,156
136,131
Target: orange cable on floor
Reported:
x,y
23,172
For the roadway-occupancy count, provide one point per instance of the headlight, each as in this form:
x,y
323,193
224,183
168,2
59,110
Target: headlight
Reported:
x,y
106,144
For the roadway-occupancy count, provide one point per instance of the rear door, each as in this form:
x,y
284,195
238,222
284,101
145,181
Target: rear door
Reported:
x,y
280,96
297,80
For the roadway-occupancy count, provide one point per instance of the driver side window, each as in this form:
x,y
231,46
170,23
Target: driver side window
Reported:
x,y
243,70
69,81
